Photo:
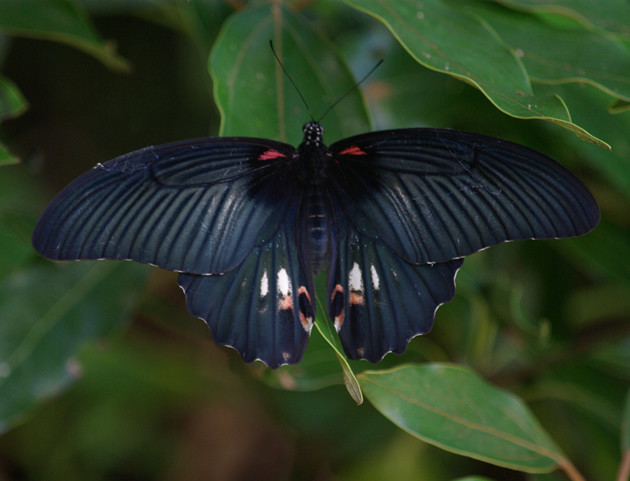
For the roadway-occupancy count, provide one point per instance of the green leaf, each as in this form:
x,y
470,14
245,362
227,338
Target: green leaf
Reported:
x,y
619,106
59,20
48,312
318,369
12,103
6,158
323,326
562,54
611,15
326,328
254,95
453,408
447,40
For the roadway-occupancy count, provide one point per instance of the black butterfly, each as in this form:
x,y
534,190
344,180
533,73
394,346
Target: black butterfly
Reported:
x,y
248,222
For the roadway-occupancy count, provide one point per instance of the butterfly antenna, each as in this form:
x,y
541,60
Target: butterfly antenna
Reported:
x,y
350,89
291,80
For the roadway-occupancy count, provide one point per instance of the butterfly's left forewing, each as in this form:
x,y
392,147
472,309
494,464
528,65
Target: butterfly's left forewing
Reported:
x,y
264,308
195,206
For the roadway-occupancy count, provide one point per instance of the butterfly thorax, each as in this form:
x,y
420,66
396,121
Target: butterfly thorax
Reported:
x,y
313,159
313,155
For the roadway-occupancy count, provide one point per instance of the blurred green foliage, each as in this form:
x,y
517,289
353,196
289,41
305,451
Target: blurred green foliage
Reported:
x,y
103,374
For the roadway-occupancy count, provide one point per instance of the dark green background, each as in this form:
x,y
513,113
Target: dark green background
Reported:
x,y
104,375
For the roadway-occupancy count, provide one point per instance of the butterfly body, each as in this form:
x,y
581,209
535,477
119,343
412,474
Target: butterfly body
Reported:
x,y
248,223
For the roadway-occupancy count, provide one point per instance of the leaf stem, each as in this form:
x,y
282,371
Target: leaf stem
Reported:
x,y
624,468
571,471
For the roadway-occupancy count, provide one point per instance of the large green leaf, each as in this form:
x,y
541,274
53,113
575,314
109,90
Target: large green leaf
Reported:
x,y
59,20
453,408
562,54
48,312
441,37
610,15
254,95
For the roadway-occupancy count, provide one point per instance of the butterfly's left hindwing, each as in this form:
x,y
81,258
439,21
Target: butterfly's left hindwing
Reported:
x,y
377,300
264,308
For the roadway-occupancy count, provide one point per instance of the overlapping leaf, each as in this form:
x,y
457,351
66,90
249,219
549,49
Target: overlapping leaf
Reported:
x,y
59,20
611,15
447,38
255,96
453,408
562,55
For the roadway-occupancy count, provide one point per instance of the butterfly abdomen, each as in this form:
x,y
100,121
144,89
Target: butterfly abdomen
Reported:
x,y
316,228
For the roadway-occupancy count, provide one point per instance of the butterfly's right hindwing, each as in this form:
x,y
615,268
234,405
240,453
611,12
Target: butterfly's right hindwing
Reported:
x,y
377,300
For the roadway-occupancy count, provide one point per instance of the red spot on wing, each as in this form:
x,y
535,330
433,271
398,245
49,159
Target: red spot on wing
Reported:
x,y
353,150
271,154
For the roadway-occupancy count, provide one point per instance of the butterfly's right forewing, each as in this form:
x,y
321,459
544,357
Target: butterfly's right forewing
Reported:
x,y
433,195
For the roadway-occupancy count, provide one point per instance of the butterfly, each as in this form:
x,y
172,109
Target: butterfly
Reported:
x,y
248,222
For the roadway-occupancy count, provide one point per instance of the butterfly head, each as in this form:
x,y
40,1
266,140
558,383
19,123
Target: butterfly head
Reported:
x,y
313,134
